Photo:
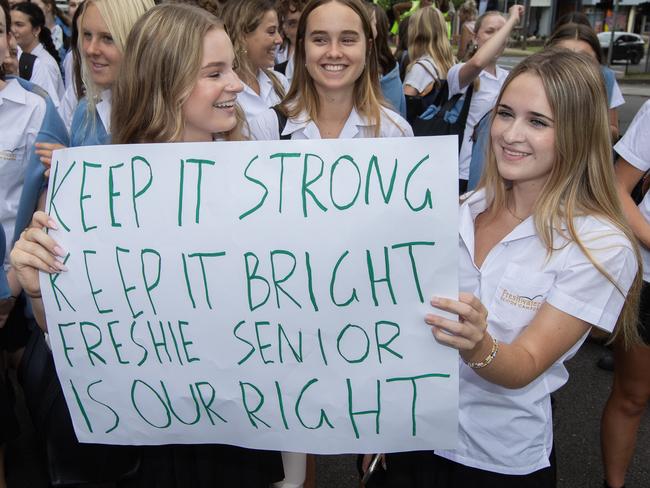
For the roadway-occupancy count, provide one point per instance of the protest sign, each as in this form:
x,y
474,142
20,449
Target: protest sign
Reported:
x,y
263,294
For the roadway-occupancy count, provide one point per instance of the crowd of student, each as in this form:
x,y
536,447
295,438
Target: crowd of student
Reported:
x,y
550,219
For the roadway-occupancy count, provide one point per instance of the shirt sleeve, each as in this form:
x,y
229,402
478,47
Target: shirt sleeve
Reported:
x,y
418,77
617,96
453,80
634,146
582,291
41,77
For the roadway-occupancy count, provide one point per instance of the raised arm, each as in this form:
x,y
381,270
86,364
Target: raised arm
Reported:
x,y
491,49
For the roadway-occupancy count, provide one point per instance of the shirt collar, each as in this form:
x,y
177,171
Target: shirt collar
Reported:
x,y
12,92
104,109
303,122
474,204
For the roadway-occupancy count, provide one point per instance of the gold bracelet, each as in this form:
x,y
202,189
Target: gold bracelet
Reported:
x,y
488,359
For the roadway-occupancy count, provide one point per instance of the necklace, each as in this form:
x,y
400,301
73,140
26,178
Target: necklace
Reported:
x,y
512,213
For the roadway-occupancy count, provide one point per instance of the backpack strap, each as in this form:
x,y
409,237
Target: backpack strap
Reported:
x,y
282,123
26,65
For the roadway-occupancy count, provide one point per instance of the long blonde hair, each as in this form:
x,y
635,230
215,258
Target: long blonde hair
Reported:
x,y
119,15
158,74
241,18
428,37
581,181
302,95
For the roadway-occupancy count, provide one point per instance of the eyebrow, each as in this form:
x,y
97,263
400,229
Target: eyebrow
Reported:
x,y
322,32
215,64
536,114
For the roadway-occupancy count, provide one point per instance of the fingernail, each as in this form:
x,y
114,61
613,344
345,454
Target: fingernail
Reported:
x,y
52,225
435,301
60,266
59,251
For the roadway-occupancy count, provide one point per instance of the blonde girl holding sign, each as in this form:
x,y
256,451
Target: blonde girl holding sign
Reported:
x,y
545,255
193,100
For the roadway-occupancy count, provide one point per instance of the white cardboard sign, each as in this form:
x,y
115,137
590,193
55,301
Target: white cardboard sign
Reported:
x,y
262,294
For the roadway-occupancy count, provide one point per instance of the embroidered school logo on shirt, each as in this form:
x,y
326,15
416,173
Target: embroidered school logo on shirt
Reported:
x,y
526,303
8,155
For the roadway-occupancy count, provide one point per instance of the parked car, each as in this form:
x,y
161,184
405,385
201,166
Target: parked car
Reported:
x,y
627,46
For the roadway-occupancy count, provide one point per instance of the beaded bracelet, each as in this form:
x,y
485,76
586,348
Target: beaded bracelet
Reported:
x,y
488,359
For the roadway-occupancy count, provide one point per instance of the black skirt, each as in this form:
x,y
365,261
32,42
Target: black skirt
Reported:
x,y
205,465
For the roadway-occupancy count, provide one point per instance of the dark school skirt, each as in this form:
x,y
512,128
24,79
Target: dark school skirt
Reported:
x,y
205,466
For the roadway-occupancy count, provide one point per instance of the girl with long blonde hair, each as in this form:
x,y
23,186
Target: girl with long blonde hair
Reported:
x,y
545,255
176,84
429,52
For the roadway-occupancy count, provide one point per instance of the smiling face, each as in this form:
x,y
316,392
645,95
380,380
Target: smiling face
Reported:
x,y
523,133
335,48
261,44
210,108
26,35
102,56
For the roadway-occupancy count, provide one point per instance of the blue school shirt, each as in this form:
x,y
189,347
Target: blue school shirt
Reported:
x,y
391,86
52,130
86,132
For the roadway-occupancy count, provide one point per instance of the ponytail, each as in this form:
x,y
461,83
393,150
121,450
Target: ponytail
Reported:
x,y
45,38
37,19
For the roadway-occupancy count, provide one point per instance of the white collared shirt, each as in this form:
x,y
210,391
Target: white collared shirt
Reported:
x,y
104,109
510,431
44,74
266,128
634,147
21,116
253,104
483,101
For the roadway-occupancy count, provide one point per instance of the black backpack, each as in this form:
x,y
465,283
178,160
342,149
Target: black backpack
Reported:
x,y
416,104
445,116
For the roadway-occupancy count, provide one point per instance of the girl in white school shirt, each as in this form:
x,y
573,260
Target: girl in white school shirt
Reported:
x,y
193,102
33,37
253,27
429,51
334,93
545,254
335,90
492,31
